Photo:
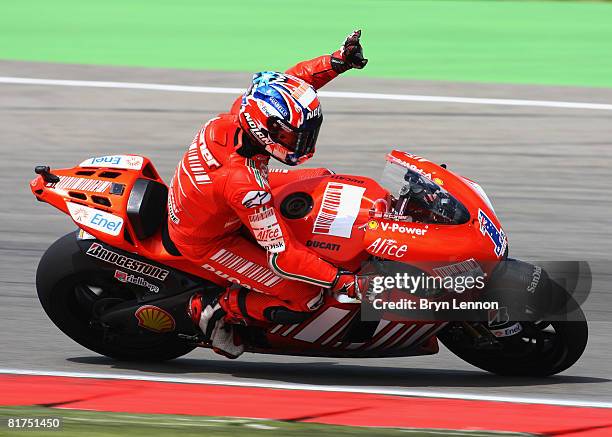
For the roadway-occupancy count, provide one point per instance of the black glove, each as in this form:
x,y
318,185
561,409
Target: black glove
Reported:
x,y
350,54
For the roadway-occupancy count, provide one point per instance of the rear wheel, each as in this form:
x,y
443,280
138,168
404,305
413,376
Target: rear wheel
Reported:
x,y
72,297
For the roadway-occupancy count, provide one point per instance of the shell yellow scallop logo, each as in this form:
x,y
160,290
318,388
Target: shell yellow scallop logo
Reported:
x,y
372,225
154,319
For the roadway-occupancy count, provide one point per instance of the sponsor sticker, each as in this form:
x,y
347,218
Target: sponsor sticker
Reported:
x,y
82,184
350,179
497,236
314,113
387,247
246,268
469,267
172,208
508,331
339,210
125,277
209,158
98,251
256,131
536,274
412,167
399,228
253,199
155,319
279,107
469,271
323,245
95,219
126,162
267,230
415,157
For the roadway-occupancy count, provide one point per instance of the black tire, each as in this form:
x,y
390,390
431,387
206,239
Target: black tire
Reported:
x,y
65,291
551,353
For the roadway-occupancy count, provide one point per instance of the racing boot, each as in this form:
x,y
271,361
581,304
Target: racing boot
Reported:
x,y
216,325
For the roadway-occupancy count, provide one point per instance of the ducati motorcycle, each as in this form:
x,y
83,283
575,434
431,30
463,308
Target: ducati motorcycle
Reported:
x,y
119,287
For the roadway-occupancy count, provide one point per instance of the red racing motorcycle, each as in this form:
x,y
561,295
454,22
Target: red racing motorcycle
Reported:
x,y
120,288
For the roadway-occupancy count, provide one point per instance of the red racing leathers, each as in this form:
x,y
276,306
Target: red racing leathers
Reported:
x,y
217,188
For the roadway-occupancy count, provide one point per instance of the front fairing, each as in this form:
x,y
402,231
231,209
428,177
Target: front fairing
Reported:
x,y
431,240
418,198
346,218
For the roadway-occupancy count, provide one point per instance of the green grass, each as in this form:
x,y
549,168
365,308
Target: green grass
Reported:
x,y
97,424
484,41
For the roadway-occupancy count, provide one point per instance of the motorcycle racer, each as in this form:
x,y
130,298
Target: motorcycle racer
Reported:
x,y
222,185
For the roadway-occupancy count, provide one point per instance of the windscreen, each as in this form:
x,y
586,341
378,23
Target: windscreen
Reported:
x,y
416,198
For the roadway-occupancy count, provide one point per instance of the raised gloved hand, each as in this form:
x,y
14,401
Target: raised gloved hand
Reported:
x,y
350,54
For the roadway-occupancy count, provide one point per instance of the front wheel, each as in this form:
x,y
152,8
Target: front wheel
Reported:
x,y
525,348
540,349
70,295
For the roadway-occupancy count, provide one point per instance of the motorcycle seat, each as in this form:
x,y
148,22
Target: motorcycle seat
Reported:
x,y
146,208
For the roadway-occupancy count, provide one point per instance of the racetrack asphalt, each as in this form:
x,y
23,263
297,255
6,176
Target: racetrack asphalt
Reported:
x,y
546,170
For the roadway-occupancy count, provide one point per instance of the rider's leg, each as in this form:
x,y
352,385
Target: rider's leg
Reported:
x,y
243,262
261,295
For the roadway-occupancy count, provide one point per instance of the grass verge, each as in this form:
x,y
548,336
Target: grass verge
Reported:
x,y
77,423
541,42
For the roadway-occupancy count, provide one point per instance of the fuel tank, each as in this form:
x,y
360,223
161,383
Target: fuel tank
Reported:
x,y
329,214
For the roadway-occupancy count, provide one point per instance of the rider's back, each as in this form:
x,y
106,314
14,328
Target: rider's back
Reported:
x,y
210,172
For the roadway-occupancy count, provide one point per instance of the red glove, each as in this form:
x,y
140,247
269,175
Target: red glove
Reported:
x,y
345,283
350,285
350,54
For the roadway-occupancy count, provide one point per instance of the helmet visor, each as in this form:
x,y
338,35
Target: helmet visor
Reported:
x,y
300,141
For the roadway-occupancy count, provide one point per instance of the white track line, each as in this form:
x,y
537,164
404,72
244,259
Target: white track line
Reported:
x,y
331,94
314,387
